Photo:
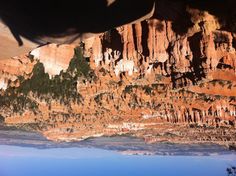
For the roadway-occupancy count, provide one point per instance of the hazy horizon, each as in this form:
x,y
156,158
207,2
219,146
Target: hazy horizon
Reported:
x,y
25,161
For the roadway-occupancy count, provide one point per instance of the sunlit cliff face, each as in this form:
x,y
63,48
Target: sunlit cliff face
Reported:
x,y
161,79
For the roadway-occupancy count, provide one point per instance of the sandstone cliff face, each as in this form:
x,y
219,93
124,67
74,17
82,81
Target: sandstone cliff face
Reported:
x,y
12,68
153,47
55,58
144,79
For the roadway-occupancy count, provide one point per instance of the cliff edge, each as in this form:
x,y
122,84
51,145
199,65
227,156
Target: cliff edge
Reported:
x,y
171,77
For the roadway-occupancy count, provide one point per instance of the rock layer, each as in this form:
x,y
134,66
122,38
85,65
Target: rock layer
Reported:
x,y
144,79
55,58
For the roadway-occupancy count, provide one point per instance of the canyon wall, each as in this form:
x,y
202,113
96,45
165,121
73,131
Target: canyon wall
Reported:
x,y
151,79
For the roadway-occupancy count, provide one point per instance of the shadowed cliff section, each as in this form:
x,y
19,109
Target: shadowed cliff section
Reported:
x,y
46,21
176,11
176,69
59,19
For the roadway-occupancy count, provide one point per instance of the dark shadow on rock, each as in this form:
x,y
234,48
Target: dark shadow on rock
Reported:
x,y
175,11
144,38
196,72
223,10
198,60
37,20
112,40
159,27
58,18
234,42
222,65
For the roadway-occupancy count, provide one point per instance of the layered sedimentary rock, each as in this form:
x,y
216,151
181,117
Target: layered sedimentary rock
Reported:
x,y
12,68
145,79
55,58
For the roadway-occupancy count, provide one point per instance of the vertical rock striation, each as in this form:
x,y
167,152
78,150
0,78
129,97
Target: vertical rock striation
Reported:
x,y
131,79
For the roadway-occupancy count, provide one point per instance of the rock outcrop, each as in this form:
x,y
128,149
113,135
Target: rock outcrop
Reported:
x,y
55,58
12,68
145,79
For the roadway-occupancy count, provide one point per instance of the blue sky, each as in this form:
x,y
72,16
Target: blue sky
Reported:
x,y
25,161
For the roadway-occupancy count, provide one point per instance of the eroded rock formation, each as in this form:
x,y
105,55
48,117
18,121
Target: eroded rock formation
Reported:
x,y
55,58
145,79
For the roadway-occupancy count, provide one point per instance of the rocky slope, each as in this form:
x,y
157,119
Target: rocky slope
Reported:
x,y
146,79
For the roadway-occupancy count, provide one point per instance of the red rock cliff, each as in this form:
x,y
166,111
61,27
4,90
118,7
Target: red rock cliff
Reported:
x,y
146,79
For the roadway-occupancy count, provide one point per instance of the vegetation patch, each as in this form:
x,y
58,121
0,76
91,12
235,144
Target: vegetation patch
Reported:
x,y
147,89
129,88
62,87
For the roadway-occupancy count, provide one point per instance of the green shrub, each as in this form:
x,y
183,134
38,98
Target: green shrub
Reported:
x,y
62,87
